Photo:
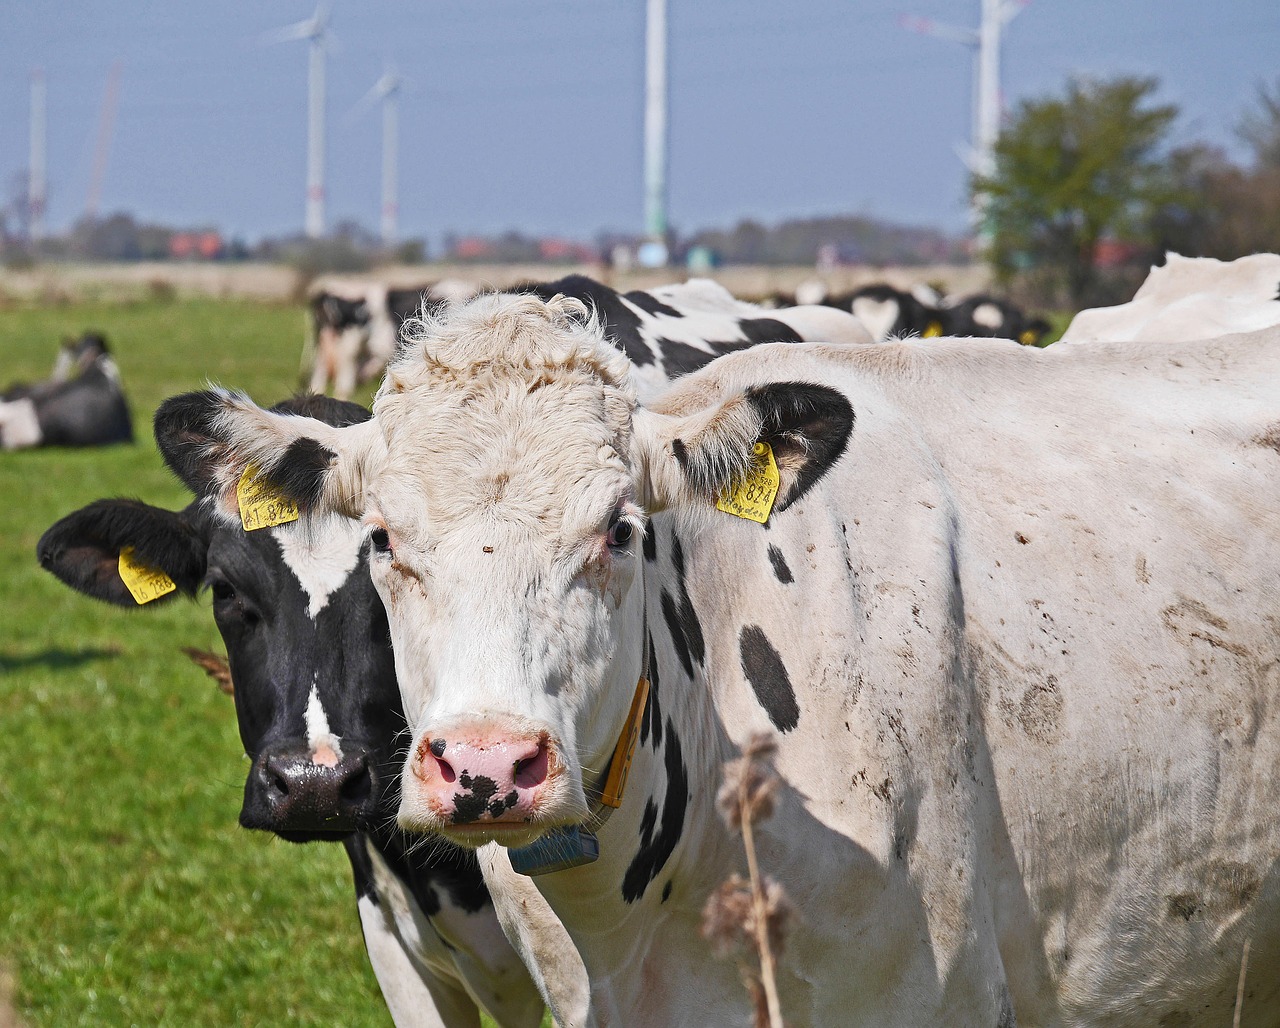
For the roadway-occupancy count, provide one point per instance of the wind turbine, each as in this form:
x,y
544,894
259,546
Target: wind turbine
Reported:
x,y
387,89
316,31
985,41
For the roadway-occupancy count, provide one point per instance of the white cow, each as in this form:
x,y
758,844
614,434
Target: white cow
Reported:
x,y
1014,615
1189,298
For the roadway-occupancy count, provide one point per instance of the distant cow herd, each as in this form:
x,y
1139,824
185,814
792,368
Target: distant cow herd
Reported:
x,y
1010,612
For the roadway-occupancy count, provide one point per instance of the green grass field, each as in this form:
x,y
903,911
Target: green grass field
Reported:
x,y
128,895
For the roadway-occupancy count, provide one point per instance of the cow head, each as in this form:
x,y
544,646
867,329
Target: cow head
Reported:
x,y
306,639
504,484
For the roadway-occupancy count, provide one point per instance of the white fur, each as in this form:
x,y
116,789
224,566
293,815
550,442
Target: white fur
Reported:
x,y
19,426
321,553
319,736
1189,298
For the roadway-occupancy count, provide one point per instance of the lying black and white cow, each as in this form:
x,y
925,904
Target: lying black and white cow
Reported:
x,y
74,357
82,404
990,317
1029,744
320,718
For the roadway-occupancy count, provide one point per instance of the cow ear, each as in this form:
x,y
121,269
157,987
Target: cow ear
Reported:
x,y
692,457
83,549
209,438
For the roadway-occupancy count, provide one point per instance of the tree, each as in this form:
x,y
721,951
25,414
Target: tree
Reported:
x,y
1071,171
1260,128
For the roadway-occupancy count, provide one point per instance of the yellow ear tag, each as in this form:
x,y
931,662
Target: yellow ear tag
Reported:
x,y
932,330
260,505
144,584
1027,338
752,496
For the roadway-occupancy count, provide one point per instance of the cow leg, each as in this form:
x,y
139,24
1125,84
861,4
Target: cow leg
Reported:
x,y
413,995
321,370
347,359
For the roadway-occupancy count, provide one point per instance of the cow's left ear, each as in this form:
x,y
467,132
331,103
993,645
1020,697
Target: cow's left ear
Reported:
x,y
209,438
691,458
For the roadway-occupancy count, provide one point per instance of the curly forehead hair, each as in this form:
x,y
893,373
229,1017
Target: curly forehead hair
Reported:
x,y
507,335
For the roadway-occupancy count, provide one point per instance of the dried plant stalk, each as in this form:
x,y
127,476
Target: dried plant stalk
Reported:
x,y
756,908
214,666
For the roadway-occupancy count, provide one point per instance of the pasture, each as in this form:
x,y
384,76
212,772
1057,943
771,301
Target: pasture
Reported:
x,y
128,895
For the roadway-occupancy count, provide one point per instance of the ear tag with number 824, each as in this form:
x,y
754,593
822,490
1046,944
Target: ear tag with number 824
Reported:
x,y
260,505
144,583
752,496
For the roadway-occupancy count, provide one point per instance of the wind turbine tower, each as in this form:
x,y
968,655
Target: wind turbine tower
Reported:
x,y
985,41
654,252
37,193
388,88
316,31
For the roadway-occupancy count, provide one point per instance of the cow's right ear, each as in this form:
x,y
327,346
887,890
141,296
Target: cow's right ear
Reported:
x,y
210,438
83,549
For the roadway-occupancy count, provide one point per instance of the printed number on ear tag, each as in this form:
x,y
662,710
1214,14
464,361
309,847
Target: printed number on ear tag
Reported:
x,y
144,584
752,496
261,506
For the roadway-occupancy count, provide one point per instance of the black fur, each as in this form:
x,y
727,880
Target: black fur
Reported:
x,y
650,304
804,423
764,669
301,472
621,324
655,850
83,548
780,569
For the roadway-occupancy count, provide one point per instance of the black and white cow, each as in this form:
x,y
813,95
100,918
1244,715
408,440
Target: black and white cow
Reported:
x,y
355,330
320,718
82,404
990,317
890,313
74,357
1028,745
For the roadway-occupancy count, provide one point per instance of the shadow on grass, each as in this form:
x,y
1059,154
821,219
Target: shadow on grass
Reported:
x,y
56,658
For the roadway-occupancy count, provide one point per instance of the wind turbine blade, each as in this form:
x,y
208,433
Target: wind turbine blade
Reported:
x,y
289,33
929,27
362,107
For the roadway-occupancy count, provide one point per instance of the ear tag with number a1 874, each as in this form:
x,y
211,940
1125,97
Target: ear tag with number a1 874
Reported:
x,y
752,496
144,583
261,506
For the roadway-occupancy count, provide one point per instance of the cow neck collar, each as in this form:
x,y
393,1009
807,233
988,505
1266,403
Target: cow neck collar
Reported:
x,y
575,845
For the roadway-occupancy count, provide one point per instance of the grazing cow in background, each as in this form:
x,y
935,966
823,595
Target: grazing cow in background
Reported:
x,y
1030,754
1189,298
86,406
356,327
320,718
74,356
890,313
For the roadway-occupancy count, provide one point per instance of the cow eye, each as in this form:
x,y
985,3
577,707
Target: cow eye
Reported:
x,y
620,532
222,590
381,541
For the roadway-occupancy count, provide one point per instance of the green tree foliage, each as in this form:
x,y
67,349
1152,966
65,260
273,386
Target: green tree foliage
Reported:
x,y
1071,171
1227,211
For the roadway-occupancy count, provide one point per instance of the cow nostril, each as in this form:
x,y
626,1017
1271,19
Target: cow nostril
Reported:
x,y
357,786
446,770
277,783
532,770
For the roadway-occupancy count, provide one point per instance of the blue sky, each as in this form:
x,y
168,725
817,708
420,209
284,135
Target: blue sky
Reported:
x,y
527,114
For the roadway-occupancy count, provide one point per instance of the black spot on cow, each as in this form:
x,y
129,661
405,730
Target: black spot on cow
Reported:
x,y
729,346
656,849
652,716
764,669
666,891
767,330
1277,296
780,569
619,320
467,806
681,453
498,807
301,472
649,542
650,304
437,747
681,618
681,358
